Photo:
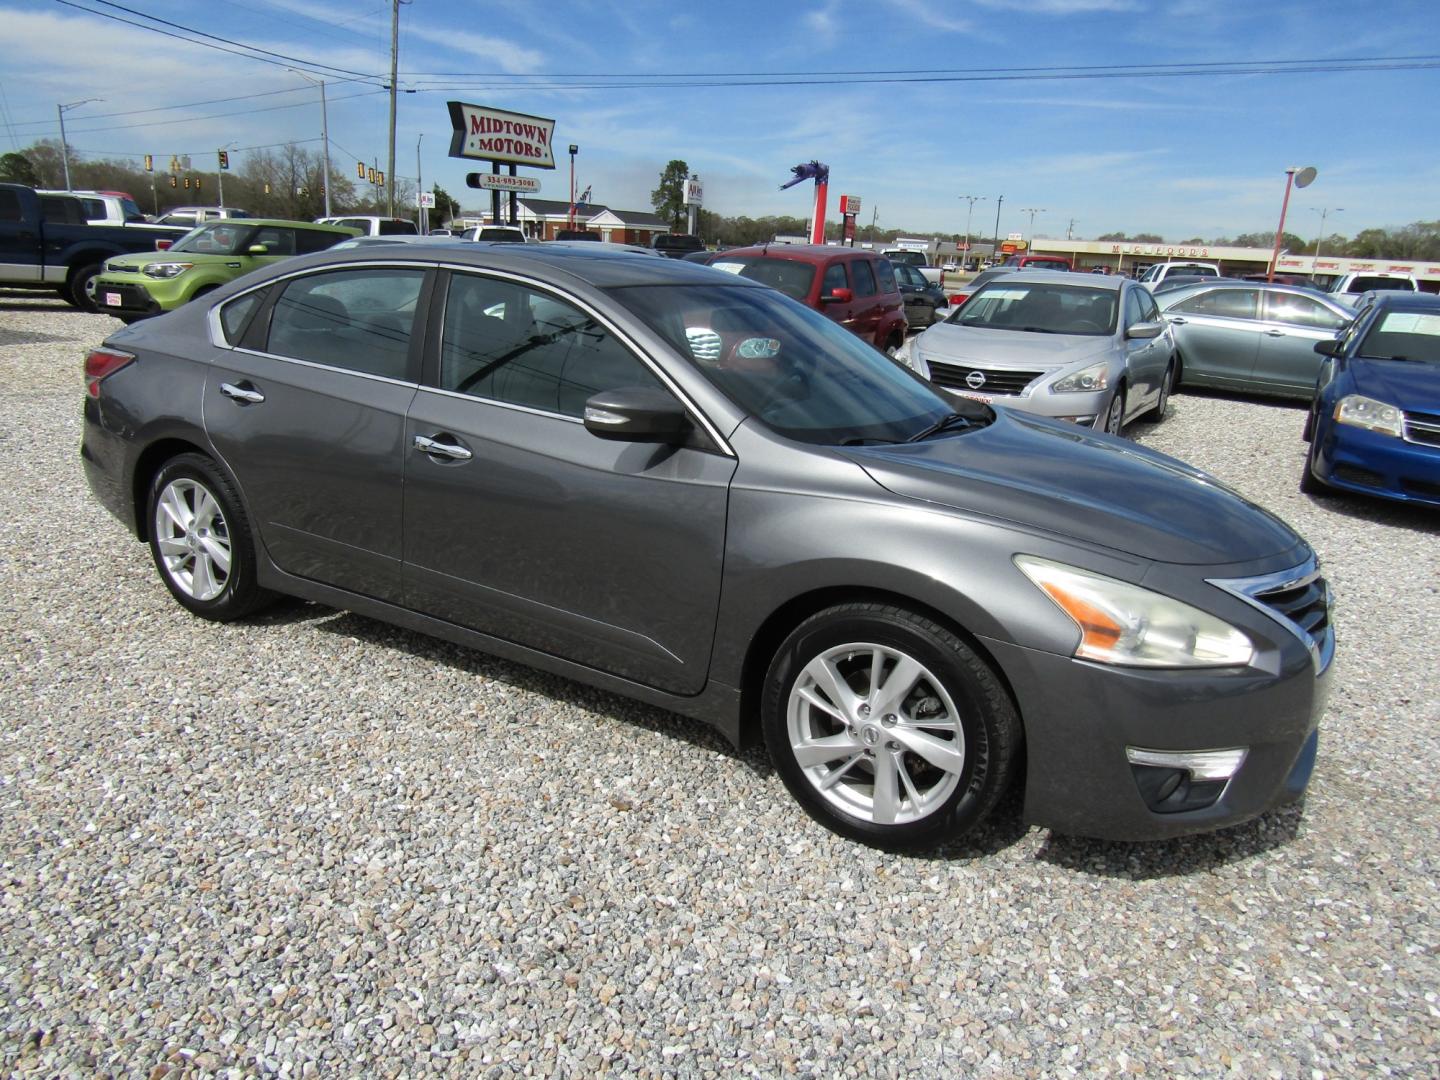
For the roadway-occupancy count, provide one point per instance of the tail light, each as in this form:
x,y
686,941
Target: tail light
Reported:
x,y
956,299
163,245
100,363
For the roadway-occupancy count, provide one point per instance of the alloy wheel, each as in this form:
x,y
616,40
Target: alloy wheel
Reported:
x,y
193,539
875,733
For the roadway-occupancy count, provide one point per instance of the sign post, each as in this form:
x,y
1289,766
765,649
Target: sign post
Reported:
x,y
694,199
849,209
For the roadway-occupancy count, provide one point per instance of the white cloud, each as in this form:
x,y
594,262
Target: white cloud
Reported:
x,y
932,16
1061,7
824,24
492,51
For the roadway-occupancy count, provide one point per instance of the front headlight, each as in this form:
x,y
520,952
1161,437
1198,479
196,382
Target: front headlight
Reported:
x,y
1085,381
909,355
1126,625
166,269
1360,411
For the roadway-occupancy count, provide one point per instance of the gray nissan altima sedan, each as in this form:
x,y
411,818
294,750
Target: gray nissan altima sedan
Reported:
x,y
681,486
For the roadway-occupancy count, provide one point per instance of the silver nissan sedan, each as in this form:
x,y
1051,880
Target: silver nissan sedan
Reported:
x,y
681,486
1091,350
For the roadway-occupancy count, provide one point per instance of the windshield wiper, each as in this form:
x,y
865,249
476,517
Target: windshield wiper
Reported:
x,y
947,421
1362,356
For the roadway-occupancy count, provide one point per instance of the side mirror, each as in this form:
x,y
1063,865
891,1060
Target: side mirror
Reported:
x,y
259,249
636,414
1329,347
838,296
1142,331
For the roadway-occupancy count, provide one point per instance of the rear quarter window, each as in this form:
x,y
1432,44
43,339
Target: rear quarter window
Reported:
x,y
308,240
235,316
886,274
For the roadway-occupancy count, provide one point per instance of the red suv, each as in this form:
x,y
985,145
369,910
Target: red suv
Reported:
x,y
855,288
1038,262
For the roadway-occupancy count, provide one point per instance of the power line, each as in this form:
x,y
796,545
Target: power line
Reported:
x,y
190,153
187,105
264,57
216,116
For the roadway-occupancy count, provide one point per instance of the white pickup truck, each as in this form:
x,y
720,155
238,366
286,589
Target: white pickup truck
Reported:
x,y
909,257
106,207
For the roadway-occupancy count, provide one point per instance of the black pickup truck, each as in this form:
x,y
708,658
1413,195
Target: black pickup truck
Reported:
x,y
45,243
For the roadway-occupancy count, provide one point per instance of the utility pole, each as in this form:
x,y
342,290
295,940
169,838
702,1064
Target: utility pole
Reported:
x,y
1070,230
420,190
394,73
324,131
995,244
1324,213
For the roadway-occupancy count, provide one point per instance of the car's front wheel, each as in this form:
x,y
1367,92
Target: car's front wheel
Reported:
x,y
201,541
887,728
1115,413
1162,402
1308,482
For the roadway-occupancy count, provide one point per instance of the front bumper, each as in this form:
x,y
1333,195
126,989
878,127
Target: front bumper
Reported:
x,y
124,296
1354,459
1079,776
1085,408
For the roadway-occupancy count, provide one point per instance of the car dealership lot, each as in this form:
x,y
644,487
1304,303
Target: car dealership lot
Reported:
x,y
312,837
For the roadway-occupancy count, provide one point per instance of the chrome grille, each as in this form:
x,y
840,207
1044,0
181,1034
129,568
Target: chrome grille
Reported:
x,y
1422,428
991,380
1299,599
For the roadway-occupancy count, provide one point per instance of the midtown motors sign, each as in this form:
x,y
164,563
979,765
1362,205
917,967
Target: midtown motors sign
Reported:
x,y
494,135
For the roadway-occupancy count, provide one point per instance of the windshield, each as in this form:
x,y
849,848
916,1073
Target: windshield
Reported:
x,y
790,277
131,211
216,238
801,374
1040,308
1403,335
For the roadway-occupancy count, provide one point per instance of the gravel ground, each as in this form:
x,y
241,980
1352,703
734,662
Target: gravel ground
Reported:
x,y
312,844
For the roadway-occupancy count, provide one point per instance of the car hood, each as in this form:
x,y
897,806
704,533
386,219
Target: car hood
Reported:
x,y
1009,348
1075,483
135,262
1406,384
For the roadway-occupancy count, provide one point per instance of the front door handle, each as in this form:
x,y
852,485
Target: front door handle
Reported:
x,y
1174,321
454,451
1274,333
245,395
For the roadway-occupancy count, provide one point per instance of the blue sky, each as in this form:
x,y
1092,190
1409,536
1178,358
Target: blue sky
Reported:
x,y
1183,156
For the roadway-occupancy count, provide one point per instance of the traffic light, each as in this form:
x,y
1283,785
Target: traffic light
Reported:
x,y
197,183
174,182
225,159
379,179
371,175
149,163
360,170
187,183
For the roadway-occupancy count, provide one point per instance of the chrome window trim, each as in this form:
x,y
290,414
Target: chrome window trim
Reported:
x,y
217,337
327,367
1252,588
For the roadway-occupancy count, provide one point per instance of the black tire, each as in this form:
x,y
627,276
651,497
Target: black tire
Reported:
x,y
1115,413
189,563
1167,383
75,285
1309,431
951,704
1309,485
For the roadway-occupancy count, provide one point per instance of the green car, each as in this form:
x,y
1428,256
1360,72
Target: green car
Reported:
x,y
133,286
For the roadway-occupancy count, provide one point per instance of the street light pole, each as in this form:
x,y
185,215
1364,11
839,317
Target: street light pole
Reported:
x,y
973,199
573,151
60,111
1324,212
1296,177
995,244
324,132
1032,211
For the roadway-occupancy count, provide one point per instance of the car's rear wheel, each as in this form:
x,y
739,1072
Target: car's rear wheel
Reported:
x,y
887,728
201,541
1167,383
77,286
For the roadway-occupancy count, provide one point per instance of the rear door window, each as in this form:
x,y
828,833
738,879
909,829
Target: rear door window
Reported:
x,y
887,276
1222,303
864,277
359,320
1300,311
308,240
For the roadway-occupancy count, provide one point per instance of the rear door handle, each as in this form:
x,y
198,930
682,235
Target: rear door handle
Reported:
x,y
245,394
454,451
1274,333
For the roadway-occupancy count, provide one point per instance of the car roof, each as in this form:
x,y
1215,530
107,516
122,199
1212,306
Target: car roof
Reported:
x,y
811,253
1050,277
1406,301
311,225
597,264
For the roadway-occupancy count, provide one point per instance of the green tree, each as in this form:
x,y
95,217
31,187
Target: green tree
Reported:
x,y
445,208
669,198
17,169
